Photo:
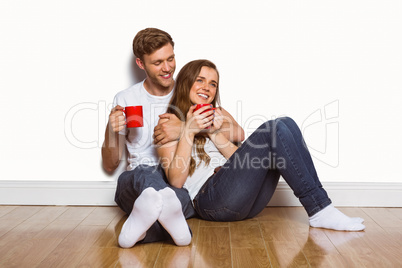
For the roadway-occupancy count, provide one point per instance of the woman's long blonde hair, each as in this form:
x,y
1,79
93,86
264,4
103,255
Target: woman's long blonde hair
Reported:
x,y
181,103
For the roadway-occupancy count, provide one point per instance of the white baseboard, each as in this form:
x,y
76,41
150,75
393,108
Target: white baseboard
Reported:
x,y
346,194
92,193
101,193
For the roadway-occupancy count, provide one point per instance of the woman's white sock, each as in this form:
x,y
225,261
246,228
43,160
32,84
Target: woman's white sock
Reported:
x,y
146,211
357,219
172,218
331,218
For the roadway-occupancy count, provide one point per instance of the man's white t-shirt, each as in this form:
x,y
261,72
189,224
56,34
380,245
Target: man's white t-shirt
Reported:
x,y
141,149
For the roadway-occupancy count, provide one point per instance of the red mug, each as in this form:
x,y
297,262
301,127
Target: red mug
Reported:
x,y
202,105
134,116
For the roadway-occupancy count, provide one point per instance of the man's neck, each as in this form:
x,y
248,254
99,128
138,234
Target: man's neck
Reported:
x,y
157,90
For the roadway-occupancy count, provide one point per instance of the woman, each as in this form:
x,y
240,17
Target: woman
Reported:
x,y
249,174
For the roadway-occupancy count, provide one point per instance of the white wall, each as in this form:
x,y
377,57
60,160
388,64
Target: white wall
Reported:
x,y
334,66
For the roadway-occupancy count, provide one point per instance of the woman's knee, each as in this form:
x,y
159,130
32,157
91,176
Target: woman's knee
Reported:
x,y
287,121
284,124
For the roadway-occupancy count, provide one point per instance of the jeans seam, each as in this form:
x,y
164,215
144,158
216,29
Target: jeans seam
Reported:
x,y
318,208
289,155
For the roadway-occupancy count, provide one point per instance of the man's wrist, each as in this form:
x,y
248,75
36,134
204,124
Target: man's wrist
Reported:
x,y
213,134
187,134
181,131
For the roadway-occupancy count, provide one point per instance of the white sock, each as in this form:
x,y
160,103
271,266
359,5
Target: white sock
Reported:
x,y
331,218
146,211
357,219
172,218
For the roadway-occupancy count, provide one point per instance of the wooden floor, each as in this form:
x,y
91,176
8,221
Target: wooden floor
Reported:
x,y
37,236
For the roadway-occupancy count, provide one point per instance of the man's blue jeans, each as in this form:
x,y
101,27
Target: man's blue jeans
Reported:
x,y
245,184
131,184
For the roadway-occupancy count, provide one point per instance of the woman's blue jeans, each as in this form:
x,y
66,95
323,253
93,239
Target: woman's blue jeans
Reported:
x,y
244,185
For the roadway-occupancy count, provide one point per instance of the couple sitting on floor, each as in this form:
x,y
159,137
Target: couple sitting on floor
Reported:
x,y
193,167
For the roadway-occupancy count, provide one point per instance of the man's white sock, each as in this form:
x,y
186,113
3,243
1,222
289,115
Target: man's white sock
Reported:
x,y
146,211
331,218
172,218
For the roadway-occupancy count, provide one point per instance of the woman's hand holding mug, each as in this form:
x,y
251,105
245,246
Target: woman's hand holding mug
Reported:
x,y
200,117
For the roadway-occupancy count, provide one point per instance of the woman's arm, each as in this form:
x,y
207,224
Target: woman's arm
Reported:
x,y
224,145
230,128
176,156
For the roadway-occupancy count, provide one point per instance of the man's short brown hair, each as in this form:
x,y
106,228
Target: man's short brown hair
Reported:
x,y
150,39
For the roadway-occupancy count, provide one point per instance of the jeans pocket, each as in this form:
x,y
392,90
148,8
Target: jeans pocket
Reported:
x,y
221,214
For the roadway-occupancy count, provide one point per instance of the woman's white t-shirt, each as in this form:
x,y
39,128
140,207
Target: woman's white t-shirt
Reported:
x,y
203,172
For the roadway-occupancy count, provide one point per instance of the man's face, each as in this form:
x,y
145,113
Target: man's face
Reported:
x,y
159,66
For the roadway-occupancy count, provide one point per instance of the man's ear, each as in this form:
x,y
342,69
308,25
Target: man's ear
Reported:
x,y
140,63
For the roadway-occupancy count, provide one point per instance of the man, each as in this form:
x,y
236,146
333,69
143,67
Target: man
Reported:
x,y
154,53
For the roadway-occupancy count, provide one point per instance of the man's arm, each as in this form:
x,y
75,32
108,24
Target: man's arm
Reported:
x,y
169,128
113,146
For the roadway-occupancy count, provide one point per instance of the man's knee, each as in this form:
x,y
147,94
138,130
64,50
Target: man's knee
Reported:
x,y
149,176
139,175
124,179
145,169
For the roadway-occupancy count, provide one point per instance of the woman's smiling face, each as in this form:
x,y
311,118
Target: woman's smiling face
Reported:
x,y
204,87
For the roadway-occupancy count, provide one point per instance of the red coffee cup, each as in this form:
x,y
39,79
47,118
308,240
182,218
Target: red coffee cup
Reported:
x,y
202,105
134,116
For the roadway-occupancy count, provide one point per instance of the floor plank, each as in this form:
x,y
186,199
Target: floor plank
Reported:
x,y
76,213
142,255
213,247
246,234
108,238
286,254
59,236
383,217
250,257
21,213
30,253
101,216
74,247
6,209
173,256
100,257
